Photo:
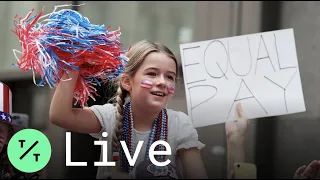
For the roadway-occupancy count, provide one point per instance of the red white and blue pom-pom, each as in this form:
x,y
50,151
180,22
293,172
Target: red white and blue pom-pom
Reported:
x,y
64,41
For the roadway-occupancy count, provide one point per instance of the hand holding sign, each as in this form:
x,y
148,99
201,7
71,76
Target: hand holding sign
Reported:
x,y
237,129
259,70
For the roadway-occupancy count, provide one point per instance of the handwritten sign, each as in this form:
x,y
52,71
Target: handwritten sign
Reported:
x,y
260,71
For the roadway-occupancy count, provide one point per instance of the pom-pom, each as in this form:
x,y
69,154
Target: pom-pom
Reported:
x,y
67,41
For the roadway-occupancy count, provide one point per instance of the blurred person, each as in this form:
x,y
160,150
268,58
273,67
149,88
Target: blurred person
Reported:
x,y
9,125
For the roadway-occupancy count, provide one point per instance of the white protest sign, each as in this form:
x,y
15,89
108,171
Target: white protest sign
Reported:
x,y
260,71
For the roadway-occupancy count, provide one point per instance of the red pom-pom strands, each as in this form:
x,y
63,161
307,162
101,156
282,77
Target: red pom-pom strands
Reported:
x,y
67,41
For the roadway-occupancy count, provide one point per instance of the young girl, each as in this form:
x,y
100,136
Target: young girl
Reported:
x,y
144,89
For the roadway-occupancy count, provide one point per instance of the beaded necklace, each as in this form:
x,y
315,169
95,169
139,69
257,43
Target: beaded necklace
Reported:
x,y
159,132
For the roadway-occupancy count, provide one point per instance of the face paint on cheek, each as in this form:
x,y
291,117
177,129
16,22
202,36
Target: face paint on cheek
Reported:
x,y
171,88
146,83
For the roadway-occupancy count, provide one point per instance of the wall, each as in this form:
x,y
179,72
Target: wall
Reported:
x,y
297,141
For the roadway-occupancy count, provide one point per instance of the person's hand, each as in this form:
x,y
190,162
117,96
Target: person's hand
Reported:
x,y
236,130
308,172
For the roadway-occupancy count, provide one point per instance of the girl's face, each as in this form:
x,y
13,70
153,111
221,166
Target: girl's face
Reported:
x,y
154,82
4,135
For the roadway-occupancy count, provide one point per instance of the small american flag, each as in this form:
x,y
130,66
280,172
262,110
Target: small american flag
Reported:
x,y
5,103
146,83
171,88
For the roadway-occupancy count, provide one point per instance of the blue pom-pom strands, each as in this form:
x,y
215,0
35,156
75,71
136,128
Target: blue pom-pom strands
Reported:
x,y
66,41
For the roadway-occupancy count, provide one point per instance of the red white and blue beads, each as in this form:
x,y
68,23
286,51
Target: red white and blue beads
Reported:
x,y
159,132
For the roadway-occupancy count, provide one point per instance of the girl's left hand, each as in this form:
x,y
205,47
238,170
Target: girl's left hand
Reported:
x,y
237,130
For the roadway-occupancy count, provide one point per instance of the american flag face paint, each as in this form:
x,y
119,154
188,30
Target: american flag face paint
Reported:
x,y
146,83
171,88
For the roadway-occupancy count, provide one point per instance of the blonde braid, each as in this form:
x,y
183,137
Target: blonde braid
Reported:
x,y
120,101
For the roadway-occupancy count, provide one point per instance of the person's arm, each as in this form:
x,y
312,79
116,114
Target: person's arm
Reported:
x,y
63,115
192,164
235,153
236,132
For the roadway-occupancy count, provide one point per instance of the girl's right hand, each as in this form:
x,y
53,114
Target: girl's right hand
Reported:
x,y
63,115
